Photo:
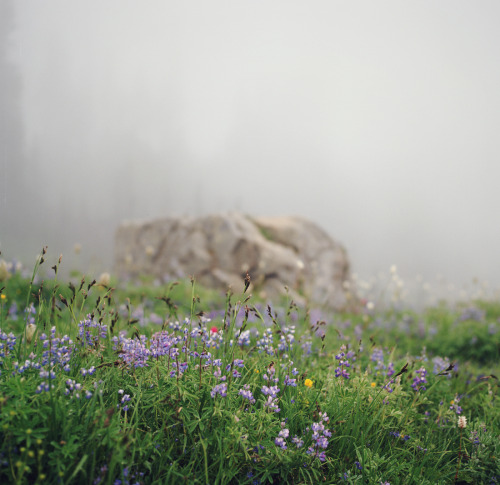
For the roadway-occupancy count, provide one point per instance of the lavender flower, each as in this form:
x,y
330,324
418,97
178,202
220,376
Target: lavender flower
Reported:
x,y
341,370
272,404
454,405
280,442
419,380
246,393
270,391
220,389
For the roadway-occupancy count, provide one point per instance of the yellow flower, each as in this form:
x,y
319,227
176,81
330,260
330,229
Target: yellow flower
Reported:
x,y
373,384
308,383
257,371
452,402
3,297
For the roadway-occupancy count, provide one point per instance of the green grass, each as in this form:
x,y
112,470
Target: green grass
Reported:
x,y
136,414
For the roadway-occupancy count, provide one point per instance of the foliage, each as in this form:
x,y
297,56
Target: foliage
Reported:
x,y
151,384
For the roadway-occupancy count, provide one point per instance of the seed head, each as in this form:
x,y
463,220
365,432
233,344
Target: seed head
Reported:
x,y
104,279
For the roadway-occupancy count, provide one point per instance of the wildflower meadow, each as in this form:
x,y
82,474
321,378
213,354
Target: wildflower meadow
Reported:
x,y
112,382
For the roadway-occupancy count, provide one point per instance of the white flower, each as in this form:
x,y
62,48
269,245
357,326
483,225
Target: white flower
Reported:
x,y
462,422
30,332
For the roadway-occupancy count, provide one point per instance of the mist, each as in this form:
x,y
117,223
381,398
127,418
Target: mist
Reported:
x,y
377,120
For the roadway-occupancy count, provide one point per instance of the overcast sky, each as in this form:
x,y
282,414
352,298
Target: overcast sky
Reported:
x,y
379,120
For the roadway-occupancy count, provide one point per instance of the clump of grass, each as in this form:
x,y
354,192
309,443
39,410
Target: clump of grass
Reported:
x,y
102,384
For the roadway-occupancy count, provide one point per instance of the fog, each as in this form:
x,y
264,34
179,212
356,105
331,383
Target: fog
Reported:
x,y
379,121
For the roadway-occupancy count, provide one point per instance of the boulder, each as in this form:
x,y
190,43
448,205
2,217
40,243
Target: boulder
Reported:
x,y
218,250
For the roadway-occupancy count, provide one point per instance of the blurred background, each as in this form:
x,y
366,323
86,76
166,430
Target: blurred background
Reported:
x,y
379,121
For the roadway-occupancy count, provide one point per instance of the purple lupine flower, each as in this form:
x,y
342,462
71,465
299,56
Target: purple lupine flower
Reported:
x,y
388,387
441,365
124,400
13,311
419,380
220,389
280,442
322,442
272,404
246,393
341,371
377,355
45,374
320,436
42,387
454,406
317,427
472,314
270,391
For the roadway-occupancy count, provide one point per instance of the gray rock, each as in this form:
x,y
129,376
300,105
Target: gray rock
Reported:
x,y
218,250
